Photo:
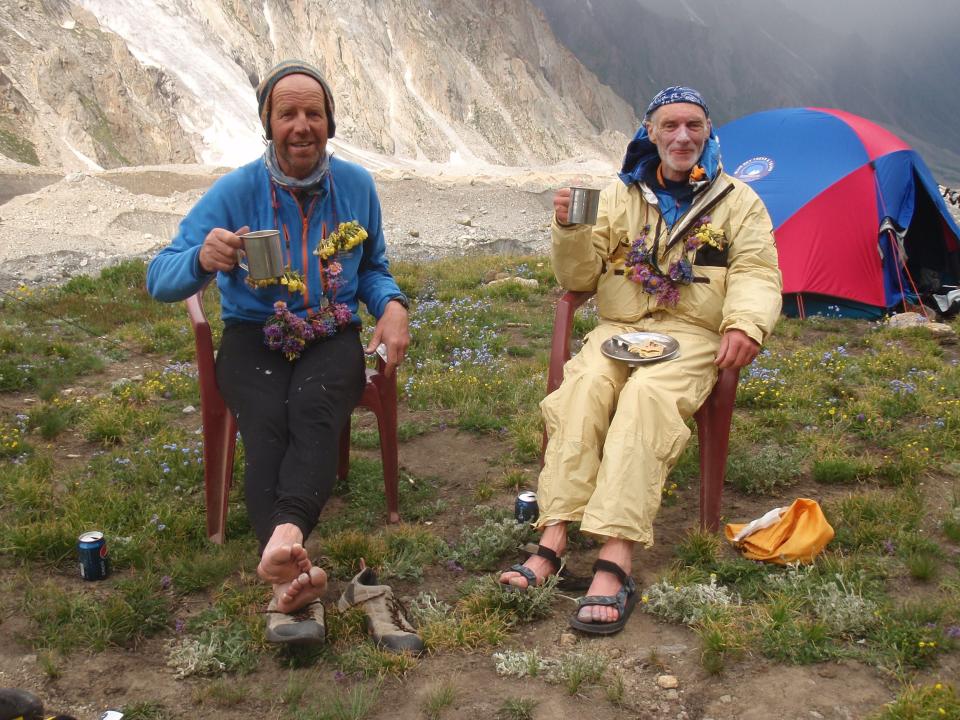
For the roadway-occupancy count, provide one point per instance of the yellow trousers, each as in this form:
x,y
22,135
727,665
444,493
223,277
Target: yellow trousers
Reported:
x,y
615,432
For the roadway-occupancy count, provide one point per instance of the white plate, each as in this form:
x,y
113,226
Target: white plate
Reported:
x,y
616,347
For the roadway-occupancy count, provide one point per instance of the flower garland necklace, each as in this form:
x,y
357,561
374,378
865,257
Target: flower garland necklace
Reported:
x,y
288,332
643,269
285,330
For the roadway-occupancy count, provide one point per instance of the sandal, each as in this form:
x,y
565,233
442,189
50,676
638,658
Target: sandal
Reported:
x,y
305,626
566,580
532,581
624,601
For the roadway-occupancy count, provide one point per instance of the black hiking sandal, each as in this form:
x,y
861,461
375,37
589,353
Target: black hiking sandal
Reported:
x,y
547,554
624,601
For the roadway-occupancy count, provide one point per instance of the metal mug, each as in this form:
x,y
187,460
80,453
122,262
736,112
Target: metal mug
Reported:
x,y
584,203
264,254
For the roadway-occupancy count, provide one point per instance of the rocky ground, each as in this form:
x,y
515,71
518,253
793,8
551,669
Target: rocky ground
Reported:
x,y
54,226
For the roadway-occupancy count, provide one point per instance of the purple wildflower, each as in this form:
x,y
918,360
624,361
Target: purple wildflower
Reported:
x,y
668,296
342,314
681,271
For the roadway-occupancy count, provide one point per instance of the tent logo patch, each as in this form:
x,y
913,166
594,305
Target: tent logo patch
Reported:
x,y
754,169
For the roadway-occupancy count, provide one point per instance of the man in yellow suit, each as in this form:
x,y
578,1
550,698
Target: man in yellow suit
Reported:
x,y
680,248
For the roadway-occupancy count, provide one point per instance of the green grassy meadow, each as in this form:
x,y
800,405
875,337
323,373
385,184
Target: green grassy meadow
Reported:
x,y
94,380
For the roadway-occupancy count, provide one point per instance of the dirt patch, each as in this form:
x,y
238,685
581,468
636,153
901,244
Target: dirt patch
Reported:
x,y
162,183
24,182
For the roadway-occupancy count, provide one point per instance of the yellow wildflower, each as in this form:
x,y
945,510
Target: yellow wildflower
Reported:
x,y
343,239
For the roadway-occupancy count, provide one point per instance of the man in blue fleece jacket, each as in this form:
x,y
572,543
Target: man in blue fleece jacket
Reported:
x,y
291,373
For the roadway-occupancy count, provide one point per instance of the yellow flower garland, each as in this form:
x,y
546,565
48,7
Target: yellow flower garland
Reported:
x,y
344,238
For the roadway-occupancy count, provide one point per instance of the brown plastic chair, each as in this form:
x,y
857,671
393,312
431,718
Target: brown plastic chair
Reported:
x,y
220,428
713,417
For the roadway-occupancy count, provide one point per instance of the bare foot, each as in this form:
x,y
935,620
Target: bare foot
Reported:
x,y
605,583
555,538
284,557
283,563
301,590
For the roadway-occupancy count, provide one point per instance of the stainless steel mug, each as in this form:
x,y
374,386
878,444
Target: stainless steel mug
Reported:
x,y
263,253
584,203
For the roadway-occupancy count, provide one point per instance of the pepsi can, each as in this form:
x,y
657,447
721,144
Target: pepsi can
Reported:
x,y
94,563
525,509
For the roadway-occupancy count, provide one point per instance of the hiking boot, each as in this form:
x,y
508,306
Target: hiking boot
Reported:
x,y
386,621
305,626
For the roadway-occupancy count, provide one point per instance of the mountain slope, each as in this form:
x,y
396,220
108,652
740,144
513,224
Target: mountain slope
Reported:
x,y
435,80
750,55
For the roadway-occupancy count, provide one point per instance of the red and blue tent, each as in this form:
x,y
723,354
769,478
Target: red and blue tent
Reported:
x,y
858,218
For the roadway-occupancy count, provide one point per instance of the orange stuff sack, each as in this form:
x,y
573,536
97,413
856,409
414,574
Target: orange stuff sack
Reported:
x,y
799,535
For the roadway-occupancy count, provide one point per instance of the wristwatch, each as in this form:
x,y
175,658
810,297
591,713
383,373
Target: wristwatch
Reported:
x,y
402,299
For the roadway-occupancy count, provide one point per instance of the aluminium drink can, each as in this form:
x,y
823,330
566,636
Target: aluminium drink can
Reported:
x,y
525,509
92,549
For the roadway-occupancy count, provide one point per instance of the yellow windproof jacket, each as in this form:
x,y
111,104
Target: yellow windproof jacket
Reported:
x,y
738,288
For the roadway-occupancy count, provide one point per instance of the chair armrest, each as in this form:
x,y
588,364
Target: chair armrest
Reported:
x,y
198,317
210,399
567,306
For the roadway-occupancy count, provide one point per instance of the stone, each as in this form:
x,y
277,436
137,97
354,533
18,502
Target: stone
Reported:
x,y
906,320
567,640
91,208
942,332
189,409
667,682
465,220
671,694
415,233
815,714
615,653
726,699
525,282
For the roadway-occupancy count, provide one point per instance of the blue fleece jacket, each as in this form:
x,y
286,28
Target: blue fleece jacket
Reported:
x,y
640,166
245,197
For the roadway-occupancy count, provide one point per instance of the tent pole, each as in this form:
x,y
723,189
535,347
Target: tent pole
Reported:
x,y
903,298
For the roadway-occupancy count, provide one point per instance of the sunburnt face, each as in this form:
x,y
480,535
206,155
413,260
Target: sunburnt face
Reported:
x,y
298,123
680,132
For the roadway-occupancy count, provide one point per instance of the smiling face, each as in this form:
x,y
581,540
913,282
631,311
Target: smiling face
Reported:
x,y
680,132
298,123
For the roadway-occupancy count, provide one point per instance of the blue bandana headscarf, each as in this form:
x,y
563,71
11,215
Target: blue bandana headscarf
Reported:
x,y
676,94
642,159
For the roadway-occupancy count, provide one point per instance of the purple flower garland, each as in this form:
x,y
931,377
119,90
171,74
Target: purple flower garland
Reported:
x,y
665,286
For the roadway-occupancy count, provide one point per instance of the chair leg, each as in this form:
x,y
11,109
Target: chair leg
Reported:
x,y
219,445
343,462
713,430
387,425
711,475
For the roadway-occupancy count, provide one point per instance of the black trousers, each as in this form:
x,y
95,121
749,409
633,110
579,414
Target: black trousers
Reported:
x,y
290,415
